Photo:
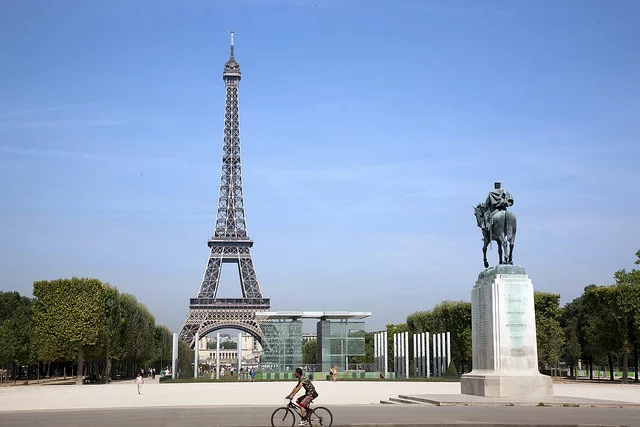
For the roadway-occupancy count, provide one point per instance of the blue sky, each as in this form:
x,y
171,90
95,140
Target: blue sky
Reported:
x,y
368,130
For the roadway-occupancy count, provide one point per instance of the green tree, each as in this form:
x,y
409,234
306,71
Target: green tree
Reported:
x,y
549,334
186,358
309,352
627,304
448,316
162,347
228,345
68,316
574,323
368,351
15,330
136,332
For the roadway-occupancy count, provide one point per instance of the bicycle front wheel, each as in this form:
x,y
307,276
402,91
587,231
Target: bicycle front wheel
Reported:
x,y
283,417
320,416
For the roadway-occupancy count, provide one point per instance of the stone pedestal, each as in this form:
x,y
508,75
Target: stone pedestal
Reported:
x,y
505,352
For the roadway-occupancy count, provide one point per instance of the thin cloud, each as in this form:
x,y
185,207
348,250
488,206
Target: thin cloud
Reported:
x,y
79,155
39,124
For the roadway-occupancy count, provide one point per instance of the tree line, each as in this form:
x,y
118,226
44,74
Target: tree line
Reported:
x,y
83,325
601,327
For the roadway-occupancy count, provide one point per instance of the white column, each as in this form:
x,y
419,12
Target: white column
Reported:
x,y
239,363
425,354
395,354
400,355
375,351
401,352
441,352
427,365
415,355
218,356
385,353
448,349
418,354
440,348
406,352
423,372
196,357
381,352
444,353
174,356
434,349
438,362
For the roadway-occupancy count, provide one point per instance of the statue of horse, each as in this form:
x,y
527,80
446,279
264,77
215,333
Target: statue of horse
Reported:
x,y
503,232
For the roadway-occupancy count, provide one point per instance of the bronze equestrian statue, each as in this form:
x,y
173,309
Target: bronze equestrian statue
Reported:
x,y
497,224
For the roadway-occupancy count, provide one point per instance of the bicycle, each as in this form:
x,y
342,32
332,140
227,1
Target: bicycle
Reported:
x,y
285,416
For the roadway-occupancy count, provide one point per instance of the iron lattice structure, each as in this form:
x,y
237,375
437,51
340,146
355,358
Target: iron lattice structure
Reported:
x,y
230,242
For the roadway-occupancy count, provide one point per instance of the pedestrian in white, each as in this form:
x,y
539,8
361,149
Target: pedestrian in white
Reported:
x,y
139,382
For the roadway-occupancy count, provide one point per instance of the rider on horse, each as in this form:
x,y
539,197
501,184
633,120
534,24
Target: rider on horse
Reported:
x,y
497,200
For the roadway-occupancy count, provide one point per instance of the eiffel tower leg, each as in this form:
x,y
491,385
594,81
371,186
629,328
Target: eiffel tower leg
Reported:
x,y
211,278
208,289
248,279
190,327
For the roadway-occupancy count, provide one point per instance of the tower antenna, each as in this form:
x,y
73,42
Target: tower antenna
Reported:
x,y
231,44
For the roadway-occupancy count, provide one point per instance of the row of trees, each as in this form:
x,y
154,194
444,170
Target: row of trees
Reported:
x,y
602,326
87,321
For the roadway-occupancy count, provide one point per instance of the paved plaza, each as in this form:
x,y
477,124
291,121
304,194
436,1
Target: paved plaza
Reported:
x,y
353,403
154,394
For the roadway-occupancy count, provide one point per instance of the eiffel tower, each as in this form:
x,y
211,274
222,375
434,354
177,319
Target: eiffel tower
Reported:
x,y
229,243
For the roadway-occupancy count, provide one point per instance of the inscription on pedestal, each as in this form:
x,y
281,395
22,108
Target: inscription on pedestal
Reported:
x,y
515,302
481,324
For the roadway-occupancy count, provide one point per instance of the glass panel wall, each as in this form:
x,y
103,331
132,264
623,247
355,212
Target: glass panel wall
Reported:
x,y
282,350
338,340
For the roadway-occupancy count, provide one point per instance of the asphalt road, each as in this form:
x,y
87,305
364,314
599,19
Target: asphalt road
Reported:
x,y
344,415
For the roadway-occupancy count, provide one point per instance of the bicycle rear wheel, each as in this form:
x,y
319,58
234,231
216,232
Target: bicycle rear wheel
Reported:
x,y
320,416
283,417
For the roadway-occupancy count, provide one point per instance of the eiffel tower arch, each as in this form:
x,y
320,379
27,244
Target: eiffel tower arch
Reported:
x,y
230,242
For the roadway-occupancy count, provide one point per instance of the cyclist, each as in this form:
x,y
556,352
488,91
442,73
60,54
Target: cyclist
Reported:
x,y
305,400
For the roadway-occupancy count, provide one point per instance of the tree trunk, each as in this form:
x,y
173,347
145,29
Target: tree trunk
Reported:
x,y
591,368
80,363
610,367
625,364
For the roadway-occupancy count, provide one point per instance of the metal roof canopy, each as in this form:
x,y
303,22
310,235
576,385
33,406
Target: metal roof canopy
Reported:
x,y
324,315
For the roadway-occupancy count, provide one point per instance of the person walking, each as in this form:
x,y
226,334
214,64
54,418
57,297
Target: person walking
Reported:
x,y
139,381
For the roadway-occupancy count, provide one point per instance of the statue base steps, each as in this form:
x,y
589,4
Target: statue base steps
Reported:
x,y
495,384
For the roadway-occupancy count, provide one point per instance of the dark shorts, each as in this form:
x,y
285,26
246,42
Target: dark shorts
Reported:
x,y
304,401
